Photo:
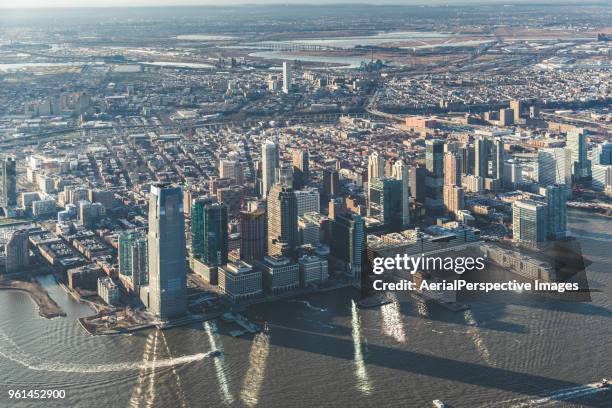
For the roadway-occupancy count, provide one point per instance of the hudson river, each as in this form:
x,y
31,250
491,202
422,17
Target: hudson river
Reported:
x,y
508,350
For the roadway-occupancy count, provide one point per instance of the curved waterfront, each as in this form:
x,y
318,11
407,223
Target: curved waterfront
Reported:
x,y
511,350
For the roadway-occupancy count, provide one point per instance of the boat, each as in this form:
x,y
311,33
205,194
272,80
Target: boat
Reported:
x,y
438,403
216,353
266,328
605,383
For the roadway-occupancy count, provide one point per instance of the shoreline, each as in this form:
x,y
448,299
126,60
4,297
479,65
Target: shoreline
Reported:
x,y
47,307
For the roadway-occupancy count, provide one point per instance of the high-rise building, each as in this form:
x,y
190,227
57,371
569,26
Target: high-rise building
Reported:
x,y
286,77
452,169
282,220
167,254
331,184
482,151
231,169
252,234
417,183
554,166
506,117
301,172
90,213
517,109
269,161
529,221
385,202
308,200
434,182
284,174
347,244
215,234
604,154
400,172
376,167
17,251
556,199
468,158
577,145
499,157
453,198
602,178
8,182
133,259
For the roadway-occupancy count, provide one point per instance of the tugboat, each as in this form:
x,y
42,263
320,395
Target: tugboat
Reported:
x,y
438,403
605,383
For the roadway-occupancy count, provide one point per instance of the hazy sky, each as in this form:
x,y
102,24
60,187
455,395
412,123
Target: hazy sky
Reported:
x,y
124,3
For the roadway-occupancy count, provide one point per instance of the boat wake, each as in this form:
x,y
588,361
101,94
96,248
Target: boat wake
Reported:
x,y
10,351
308,305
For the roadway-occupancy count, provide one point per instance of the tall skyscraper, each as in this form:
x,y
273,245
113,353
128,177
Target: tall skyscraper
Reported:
x,y
453,198
529,221
252,234
417,183
331,184
8,182
577,145
215,234
498,156
286,77
301,172
434,182
452,169
517,109
385,202
282,221
347,244
167,255
269,161
197,224
400,172
17,251
556,199
604,154
308,200
506,117
231,169
376,167
133,258
554,166
285,174
482,151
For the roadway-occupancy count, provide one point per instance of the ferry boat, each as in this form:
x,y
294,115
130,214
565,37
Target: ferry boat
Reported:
x,y
438,403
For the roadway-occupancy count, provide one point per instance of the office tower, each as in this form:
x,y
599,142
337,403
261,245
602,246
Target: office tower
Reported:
x,y
417,183
104,197
513,174
308,200
434,182
336,206
309,231
452,169
554,166
556,199
468,158
400,172
286,77
252,234
197,225
385,202
301,173
482,152
534,112
231,169
529,221
133,258
453,198
604,154
376,167
602,178
506,117
331,184
215,234
347,244
517,108
8,182
498,156
17,251
282,221
167,258
577,145
269,161
284,174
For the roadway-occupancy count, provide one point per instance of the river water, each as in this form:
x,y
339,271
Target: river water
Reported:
x,y
512,351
